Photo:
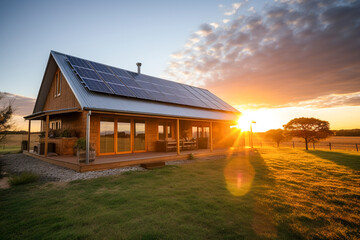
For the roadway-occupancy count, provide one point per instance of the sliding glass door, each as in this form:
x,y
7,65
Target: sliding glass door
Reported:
x,y
107,136
139,136
123,136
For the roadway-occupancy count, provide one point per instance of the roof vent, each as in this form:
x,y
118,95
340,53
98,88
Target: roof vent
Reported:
x,y
139,67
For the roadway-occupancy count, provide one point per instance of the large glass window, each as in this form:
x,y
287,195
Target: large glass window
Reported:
x,y
194,132
161,131
206,132
123,136
106,136
200,131
139,136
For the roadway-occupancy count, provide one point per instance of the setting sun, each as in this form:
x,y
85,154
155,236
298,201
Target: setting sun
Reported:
x,y
265,119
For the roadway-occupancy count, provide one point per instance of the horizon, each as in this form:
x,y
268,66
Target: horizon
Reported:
x,y
273,61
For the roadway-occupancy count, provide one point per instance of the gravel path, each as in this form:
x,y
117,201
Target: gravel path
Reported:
x,y
17,163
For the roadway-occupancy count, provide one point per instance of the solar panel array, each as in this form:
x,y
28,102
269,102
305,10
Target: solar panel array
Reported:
x,y
106,79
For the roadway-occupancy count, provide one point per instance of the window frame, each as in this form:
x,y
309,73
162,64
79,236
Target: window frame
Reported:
x,y
58,80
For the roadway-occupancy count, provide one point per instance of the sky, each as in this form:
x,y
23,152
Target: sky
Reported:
x,y
273,60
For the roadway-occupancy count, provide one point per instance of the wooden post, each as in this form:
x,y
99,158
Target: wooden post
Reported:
x,y
178,136
357,149
293,144
313,145
46,135
29,131
330,146
132,136
87,160
211,138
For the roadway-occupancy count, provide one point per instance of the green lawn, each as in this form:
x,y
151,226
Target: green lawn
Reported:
x,y
273,193
9,149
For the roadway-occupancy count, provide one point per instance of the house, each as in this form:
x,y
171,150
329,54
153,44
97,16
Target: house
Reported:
x,y
124,112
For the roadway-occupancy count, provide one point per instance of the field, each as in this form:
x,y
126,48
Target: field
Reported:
x,y
336,142
13,142
265,194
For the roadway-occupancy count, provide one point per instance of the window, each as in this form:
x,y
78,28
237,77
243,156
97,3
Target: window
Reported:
x,y
169,133
200,132
58,79
161,131
206,132
162,135
139,136
55,125
123,136
107,136
194,133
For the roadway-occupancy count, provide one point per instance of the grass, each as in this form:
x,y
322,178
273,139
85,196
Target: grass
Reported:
x,y
270,194
9,149
12,143
23,178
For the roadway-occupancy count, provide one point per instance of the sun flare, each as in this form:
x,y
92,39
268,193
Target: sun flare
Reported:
x,y
261,120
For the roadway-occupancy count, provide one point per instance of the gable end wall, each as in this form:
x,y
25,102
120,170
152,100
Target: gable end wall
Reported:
x,y
67,98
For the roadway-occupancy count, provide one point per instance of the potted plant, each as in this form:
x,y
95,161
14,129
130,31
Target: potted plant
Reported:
x,y
80,147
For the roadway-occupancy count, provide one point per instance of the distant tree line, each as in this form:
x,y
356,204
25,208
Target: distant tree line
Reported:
x,y
348,132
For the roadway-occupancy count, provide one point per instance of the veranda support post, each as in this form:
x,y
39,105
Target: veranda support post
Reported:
x,y
29,131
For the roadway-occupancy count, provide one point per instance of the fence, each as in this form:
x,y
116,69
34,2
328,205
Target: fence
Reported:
x,y
325,145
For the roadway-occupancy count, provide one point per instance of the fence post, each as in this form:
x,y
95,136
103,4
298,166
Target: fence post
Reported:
x,y
357,149
313,145
330,146
293,144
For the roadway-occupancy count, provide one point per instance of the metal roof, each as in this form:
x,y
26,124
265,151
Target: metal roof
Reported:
x,y
111,103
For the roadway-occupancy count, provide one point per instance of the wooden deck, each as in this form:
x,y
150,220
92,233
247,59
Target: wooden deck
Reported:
x,y
123,160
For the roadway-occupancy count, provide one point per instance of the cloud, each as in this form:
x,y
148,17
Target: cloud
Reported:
x,y
331,100
22,106
294,51
234,8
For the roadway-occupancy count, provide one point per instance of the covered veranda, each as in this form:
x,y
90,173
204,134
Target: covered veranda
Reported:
x,y
123,160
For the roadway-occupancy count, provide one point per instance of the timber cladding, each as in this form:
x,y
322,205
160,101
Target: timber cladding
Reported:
x,y
66,99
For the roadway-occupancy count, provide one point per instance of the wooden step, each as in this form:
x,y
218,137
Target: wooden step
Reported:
x,y
152,165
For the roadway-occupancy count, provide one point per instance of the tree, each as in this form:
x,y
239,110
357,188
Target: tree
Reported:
x,y
310,129
277,135
5,116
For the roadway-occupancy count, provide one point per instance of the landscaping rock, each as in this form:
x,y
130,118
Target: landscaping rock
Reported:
x,y
17,163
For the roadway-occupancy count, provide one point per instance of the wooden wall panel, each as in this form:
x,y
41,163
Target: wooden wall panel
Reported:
x,y
67,98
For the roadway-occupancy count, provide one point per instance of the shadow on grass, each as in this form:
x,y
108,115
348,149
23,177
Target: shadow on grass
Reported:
x,y
348,160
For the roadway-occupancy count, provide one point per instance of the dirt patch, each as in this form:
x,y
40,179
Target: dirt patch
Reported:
x,y
4,184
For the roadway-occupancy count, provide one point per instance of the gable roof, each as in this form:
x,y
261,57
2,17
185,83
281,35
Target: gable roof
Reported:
x,y
90,100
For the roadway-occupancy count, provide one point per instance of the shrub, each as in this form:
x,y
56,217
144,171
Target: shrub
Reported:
x,y
66,133
80,144
23,178
191,156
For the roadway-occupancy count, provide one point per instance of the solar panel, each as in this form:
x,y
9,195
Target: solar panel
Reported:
x,y
132,74
218,100
78,62
121,90
100,67
140,93
110,78
129,82
203,97
86,73
102,78
96,86
120,72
